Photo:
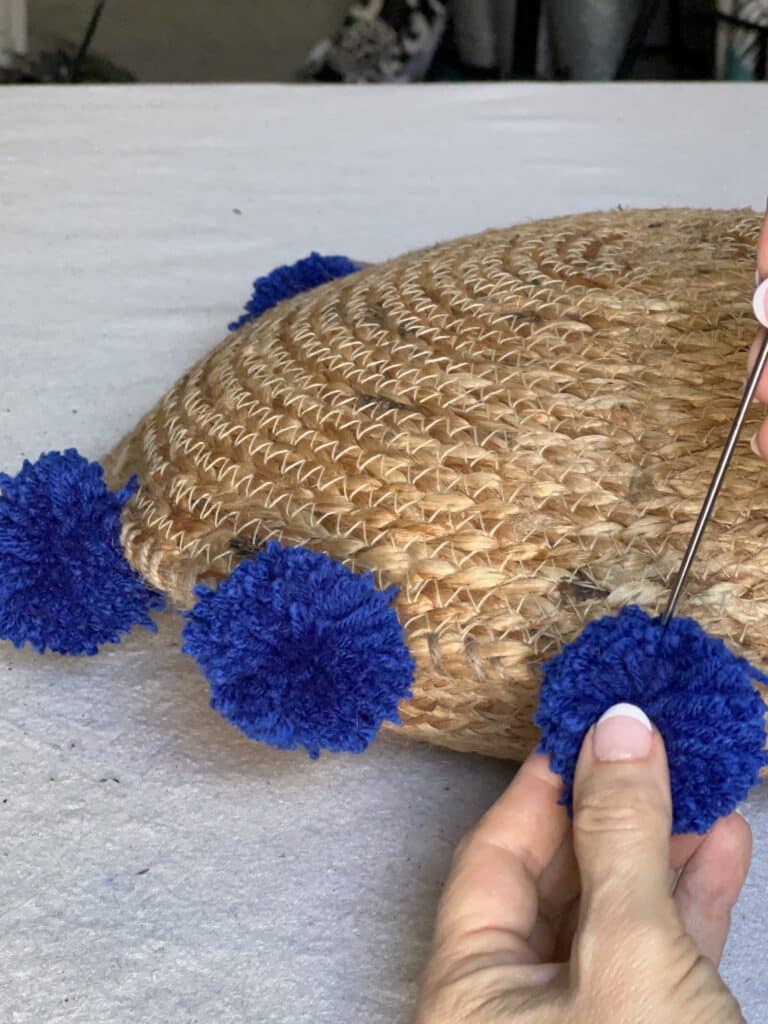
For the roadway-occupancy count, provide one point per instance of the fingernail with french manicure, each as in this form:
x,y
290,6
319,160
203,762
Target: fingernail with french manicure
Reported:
x,y
753,446
624,733
760,303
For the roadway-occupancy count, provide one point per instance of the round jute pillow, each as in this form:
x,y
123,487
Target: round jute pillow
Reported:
x,y
517,428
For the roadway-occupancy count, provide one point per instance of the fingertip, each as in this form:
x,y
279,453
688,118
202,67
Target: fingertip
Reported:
x,y
711,882
622,817
720,866
762,249
529,818
623,733
537,765
732,837
759,441
627,794
760,303
644,741
761,394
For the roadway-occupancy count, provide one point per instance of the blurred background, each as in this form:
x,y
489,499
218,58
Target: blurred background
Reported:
x,y
380,40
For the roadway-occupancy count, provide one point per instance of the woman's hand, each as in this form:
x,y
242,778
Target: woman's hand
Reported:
x,y
760,440
604,922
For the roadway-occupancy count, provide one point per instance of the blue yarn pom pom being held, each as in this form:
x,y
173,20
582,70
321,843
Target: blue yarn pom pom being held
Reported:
x,y
699,695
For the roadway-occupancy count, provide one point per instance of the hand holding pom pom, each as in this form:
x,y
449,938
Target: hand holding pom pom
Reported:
x,y
699,695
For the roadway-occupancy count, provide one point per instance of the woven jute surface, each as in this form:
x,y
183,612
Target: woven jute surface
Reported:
x,y
517,428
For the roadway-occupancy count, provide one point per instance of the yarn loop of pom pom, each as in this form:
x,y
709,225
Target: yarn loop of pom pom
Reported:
x,y
699,695
298,650
285,282
65,584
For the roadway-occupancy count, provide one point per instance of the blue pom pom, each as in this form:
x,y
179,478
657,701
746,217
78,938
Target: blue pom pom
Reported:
x,y
300,651
285,282
64,581
697,693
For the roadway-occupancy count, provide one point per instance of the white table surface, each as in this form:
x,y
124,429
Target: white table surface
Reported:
x,y
154,865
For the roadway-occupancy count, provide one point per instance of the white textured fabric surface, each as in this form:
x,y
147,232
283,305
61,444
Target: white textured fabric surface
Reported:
x,y
155,866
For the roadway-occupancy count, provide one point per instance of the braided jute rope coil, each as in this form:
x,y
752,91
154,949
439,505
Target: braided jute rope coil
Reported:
x,y
516,428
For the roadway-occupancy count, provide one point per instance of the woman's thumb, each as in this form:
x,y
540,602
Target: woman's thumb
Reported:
x,y
622,823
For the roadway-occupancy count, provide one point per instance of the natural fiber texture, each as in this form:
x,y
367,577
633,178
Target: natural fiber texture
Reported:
x,y
516,428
